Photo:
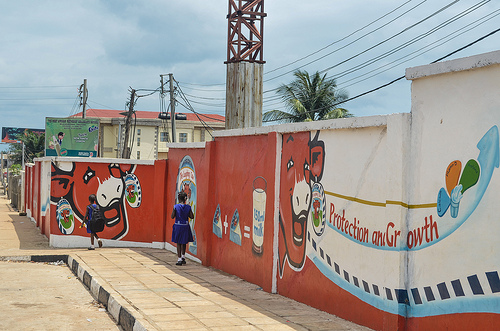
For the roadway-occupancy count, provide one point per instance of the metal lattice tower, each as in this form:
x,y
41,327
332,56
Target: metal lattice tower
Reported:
x,y
245,31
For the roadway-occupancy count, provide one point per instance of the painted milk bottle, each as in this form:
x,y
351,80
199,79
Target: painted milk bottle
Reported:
x,y
259,211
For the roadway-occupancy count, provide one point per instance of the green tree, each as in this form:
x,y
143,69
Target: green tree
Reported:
x,y
34,146
309,98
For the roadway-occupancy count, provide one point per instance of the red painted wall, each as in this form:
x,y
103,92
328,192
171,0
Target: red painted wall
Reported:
x,y
201,163
37,208
29,183
456,322
237,164
139,218
311,287
27,188
225,173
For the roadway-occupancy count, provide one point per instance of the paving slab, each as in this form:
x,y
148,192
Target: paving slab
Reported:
x,y
143,289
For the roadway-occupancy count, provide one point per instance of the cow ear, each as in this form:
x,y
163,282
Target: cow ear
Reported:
x,y
317,157
61,182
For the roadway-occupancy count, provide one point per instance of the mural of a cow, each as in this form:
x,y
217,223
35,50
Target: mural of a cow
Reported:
x,y
302,164
75,181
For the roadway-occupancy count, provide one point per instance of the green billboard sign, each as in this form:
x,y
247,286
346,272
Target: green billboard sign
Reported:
x,y
71,137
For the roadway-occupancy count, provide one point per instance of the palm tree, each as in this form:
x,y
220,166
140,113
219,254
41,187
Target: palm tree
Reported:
x,y
34,146
309,98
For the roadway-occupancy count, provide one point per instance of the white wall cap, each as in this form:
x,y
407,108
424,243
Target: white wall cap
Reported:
x,y
94,160
465,63
186,145
340,123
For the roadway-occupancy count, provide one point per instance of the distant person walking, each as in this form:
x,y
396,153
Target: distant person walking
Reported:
x,y
181,231
90,221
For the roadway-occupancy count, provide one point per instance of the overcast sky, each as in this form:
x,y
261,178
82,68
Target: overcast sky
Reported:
x,y
49,47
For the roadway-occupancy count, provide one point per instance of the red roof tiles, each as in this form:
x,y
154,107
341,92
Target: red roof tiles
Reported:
x,y
141,114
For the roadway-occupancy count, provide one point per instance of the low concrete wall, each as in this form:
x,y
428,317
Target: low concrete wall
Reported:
x,y
15,190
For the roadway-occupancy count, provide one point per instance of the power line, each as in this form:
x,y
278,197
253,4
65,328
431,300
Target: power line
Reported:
x,y
372,47
485,18
220,105
351,34
204,98
99,104
399,78
441,58
404,45
200,84
204,90
148,94
189,107
75,106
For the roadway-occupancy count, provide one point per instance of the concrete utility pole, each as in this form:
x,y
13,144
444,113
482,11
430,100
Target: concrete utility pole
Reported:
x,y
85,96
126,149
1,168
22,162
244,64
172,105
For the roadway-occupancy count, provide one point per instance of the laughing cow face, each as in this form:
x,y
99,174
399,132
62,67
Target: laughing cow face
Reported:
x,y
301,165
65,214
130,191
107,182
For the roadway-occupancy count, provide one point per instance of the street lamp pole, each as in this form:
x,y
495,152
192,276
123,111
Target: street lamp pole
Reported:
x,y
22,158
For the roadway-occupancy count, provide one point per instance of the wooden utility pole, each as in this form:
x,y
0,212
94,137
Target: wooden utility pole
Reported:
x,y
172,105
244,63
85,96
126,149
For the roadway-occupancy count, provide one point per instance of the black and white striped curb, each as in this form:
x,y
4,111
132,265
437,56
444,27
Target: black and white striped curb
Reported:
x,y
121,315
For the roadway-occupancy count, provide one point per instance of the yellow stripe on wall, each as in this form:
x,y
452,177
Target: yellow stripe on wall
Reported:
x,y
382,204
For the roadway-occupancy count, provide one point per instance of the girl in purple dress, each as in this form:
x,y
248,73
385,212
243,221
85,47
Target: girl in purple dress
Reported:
x,y
181,231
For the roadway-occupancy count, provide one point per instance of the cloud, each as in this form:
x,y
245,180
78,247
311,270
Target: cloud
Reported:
x,y
117,44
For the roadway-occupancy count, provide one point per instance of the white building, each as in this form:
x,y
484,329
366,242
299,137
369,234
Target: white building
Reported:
x,y
149,135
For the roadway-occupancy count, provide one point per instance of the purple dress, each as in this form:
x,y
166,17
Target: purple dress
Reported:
x,y
181,231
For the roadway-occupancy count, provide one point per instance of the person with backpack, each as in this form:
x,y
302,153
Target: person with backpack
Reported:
x,y
93,221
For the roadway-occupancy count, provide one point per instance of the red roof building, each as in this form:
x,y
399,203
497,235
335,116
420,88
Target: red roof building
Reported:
x,y
148,134
142,114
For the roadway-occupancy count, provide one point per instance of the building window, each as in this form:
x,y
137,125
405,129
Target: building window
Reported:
x,y
183,137
138,142
163,137
138,155
138,132
202,135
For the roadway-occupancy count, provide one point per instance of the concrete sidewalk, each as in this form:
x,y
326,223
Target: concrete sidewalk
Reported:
x,y
144,289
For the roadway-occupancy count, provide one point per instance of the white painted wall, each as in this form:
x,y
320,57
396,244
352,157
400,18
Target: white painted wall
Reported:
x,y
454,104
